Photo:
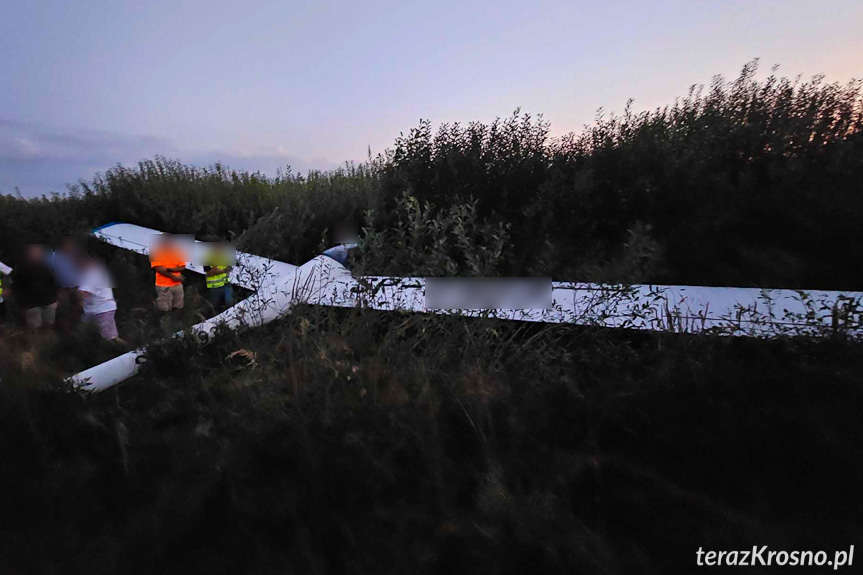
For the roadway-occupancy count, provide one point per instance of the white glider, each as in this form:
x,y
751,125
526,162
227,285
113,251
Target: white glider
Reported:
x,y
276,286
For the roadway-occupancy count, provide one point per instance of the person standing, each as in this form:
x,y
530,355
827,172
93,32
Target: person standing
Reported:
x,y
168,262
34,288
219,292
97,298
66,262
4,271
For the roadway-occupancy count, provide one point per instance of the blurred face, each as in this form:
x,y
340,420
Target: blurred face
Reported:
x,y
181,242
68,245
344,233
35,253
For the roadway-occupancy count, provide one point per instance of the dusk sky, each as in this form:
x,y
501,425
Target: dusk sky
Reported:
x,y
258,85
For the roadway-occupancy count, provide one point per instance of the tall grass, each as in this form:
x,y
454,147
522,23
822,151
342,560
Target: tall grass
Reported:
x,y
347,440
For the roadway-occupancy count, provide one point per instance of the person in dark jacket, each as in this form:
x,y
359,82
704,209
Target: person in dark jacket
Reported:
x,y
34,288
66,262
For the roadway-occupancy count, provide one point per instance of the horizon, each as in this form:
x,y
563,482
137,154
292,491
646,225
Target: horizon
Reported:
x,y
264,86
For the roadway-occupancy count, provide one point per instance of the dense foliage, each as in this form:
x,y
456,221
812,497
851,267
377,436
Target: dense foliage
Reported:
x,y
746,182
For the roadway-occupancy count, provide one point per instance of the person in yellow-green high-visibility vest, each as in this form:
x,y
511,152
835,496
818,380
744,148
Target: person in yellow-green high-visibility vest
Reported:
x,y
219,292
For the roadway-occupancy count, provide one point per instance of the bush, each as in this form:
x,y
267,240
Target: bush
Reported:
x,y
747,183
426,241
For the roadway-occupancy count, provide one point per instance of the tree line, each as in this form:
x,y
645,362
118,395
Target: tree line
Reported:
x,y
751,181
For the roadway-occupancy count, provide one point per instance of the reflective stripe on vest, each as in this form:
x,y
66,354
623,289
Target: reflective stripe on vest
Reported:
x,y
218,280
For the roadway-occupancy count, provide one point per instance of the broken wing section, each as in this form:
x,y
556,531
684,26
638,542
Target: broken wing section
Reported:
x,y
271,301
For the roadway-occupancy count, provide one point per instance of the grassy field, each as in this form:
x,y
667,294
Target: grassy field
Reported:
x,y
349,441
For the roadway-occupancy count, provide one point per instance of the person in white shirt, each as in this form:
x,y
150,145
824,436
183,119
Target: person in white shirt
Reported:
x,y
97,298
4,271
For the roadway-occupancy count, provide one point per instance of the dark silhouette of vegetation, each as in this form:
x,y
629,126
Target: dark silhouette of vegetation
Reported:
x,y
745,182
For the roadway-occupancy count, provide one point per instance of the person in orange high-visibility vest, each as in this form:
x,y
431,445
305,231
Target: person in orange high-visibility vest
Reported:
x,y
168,261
